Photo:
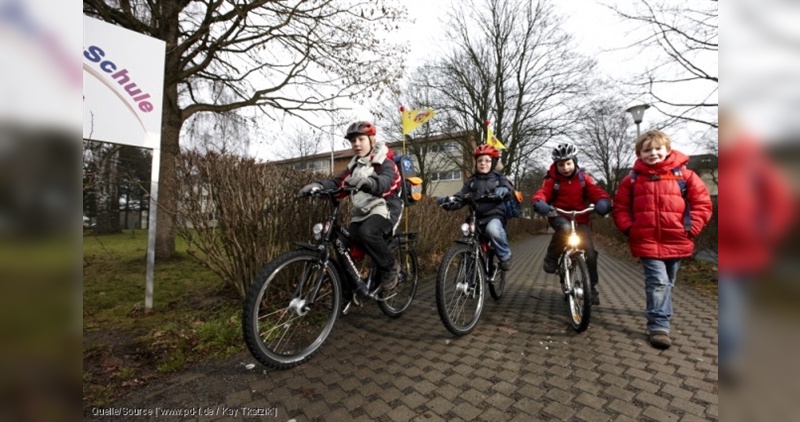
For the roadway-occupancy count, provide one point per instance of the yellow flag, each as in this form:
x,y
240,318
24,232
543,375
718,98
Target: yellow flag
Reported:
x,y
413,118
492,140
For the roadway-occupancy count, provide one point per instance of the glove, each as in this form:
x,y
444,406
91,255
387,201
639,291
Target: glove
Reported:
x,y
364,184
602,206
306,190
502,191
449,203
541,207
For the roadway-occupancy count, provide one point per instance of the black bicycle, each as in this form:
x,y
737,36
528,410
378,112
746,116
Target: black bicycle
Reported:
x,y
574,275
294,302
467,267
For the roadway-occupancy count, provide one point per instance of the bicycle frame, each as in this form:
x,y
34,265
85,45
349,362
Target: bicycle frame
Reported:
x,y
335,244
572,262
473,237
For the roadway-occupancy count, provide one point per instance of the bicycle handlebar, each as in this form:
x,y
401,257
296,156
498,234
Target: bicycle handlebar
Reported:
x,y
330,192
473,198
556,210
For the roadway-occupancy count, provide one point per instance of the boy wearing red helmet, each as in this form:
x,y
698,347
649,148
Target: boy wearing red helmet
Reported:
x,y
490,215
377,206
566,187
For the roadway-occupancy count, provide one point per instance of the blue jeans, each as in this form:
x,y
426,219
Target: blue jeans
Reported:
x,y
733,292
659,277
496,234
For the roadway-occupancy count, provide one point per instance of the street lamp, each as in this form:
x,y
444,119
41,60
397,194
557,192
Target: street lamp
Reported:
x,y
637,112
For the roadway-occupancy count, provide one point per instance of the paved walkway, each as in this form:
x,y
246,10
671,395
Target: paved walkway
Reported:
x,y
521,363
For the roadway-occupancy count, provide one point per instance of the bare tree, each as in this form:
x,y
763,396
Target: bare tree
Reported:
x,y
100,185
605,139
431,156
683,37
514,66
282,57
301,142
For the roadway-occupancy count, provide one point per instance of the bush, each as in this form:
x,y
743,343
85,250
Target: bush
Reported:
x,y
236,215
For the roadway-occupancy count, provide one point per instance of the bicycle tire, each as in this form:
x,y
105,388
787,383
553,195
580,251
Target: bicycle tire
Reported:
x,y
271,310
579,299
459,288
498,286
403,295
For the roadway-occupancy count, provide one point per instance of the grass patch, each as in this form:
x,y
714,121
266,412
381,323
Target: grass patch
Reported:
x,y
195,316
694,273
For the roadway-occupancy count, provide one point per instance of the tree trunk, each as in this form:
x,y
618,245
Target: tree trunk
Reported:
x,y
167,179
171,122
107,195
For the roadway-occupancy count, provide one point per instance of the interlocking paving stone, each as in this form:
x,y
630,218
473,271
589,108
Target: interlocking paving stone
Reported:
x,y
522,362
591,415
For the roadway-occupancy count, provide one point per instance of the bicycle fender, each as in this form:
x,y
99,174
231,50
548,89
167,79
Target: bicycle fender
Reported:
x,y
463,242
308,246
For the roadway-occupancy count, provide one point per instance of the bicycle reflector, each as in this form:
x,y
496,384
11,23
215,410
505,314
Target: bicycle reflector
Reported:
x,y
317,231
465,229
573,240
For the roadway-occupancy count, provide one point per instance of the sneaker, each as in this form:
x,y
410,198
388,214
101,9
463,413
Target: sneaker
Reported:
x,y
595,296
660,339
550,266
389,279
506,265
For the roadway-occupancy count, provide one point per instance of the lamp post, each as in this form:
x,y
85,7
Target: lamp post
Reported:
x,y
637,112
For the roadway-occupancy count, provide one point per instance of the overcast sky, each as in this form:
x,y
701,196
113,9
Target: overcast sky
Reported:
x,y
596,30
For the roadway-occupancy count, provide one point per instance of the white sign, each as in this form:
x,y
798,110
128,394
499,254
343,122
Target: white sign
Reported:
x,y
123,83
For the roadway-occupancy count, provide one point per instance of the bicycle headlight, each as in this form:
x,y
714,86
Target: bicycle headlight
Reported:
x,y
465,229
317,231
573,240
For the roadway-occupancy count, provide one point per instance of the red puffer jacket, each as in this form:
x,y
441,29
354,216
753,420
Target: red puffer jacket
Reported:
x,y
570,193
758,205
655,216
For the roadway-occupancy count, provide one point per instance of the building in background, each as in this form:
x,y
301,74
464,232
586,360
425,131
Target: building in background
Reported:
x,y
447,161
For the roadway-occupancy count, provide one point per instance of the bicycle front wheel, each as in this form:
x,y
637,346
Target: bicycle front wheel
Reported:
x,y
400,299
285,317
579,298
459,290
498,285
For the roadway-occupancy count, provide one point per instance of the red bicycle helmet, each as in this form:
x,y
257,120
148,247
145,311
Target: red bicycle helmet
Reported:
x,y
486,149
360,128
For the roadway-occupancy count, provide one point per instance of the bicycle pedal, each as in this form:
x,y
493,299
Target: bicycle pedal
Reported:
x,y
384,299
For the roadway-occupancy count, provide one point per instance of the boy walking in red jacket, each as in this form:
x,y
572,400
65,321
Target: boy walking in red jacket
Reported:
x,y
661,206
566,186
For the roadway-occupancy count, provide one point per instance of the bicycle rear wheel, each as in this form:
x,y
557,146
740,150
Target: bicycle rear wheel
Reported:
x,y
579,298
400,299
459,290
280,326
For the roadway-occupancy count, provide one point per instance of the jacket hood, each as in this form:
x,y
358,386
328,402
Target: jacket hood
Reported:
x,y
675,159
380,152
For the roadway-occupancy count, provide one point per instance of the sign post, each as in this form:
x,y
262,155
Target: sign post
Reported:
x,y
123,85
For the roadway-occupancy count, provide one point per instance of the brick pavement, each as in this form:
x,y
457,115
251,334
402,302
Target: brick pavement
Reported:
x,y
522,362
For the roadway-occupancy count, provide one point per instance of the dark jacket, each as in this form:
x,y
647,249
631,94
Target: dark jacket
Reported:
x,y
485,184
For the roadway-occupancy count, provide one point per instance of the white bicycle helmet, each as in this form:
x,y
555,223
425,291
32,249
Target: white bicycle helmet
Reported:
x,y
564,152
